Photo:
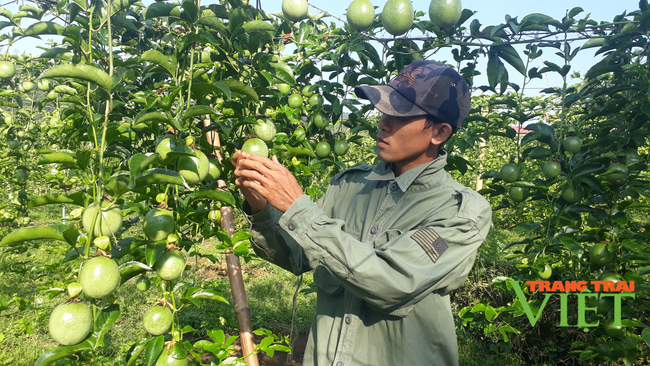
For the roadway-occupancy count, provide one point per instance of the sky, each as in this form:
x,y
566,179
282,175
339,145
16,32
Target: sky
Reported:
x,y
490,12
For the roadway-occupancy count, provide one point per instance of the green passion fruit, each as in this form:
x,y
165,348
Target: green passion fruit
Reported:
x,y
143,284
510,172
70,323
193,168
7,70
167,359
600,255
360,15
445,13
170,265
158,224
323,149
14,144
545,273
341,147
165,146
397,16
603,304
265,129
215,170
321,120
157,320
551,169
294,10
256,146
21,175
307,91
284,89
572,196
617,173
295,101
99,277
315,100
518,194
27,86
44,85
572,144
107,222
299,134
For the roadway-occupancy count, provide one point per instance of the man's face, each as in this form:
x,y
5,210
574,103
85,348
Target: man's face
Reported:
x,y
405,142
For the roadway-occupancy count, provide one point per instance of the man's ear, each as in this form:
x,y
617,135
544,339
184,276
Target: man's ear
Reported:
x,y
441,133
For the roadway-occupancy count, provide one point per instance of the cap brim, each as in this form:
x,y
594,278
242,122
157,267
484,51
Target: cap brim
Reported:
x,y
388,101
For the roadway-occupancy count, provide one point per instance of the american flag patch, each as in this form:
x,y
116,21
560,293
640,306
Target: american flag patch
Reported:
x,y
431,242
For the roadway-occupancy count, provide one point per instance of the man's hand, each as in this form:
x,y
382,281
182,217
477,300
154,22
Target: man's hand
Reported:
x,y
266,178
253,198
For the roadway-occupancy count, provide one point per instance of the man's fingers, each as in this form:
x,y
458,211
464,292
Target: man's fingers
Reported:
x,y
251,174
275,159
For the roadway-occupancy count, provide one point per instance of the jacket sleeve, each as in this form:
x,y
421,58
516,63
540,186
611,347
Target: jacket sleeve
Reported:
x,y
398,269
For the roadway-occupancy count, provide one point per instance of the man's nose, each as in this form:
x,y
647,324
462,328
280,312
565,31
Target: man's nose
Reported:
x,y
383,124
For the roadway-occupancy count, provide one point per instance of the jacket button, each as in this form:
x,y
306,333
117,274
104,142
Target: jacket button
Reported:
x,y
373,230
292,226
339,363
348,320
393,186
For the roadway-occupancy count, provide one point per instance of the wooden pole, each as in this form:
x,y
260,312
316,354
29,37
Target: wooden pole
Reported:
x,y
234,270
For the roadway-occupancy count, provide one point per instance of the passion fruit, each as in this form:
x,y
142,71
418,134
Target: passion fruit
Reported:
x,y
99,277
157,320
360,15
107,222
170,265
158,223
70,323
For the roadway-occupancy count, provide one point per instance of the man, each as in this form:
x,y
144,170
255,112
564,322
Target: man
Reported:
x,y
387,242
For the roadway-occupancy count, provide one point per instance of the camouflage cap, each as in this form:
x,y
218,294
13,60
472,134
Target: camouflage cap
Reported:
x,y
423,87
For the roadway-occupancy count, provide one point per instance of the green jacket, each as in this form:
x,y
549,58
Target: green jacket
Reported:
x,y
386,253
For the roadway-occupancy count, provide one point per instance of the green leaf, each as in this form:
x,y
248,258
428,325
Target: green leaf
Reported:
x,y
209,294
237,86
586,168
213,23
124,23
200,90
154,251
81,72
572,245
32,233
258,26
131,269
190,12
198,110
135,350
158,9
103,324
76,199
166,62
300,151
57,158
593,42
152,117
153,350
508,54
159,176
39,28
541,127
646,336
62,351
135,163
214,195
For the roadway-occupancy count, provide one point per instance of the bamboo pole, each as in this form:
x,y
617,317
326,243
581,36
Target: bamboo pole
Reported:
x,y
234,269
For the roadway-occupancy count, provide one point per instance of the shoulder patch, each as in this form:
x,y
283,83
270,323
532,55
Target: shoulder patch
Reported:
x,y
358,168
432,243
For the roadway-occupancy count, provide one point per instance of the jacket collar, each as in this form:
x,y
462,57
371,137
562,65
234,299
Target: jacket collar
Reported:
x,y
384,171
